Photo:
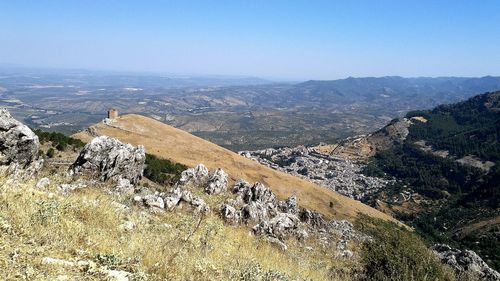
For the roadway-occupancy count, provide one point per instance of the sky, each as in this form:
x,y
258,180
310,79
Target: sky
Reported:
x,y
294,40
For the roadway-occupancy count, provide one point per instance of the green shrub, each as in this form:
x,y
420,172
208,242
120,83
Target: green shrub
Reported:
x,y
59,140
395,253
162,171
51,152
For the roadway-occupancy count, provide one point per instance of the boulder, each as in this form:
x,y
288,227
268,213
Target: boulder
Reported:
x,y
154,201
172,198
177,196
257,193
465,261
217,182
280,226
42,183
230,214
240,185
199,205
255,212
312,218
197,175
19,147
289,205
69,187
109,159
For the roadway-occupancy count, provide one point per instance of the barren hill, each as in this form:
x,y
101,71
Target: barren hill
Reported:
x,y
168,142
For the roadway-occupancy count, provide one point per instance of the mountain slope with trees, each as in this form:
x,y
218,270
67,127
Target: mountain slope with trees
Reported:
x,y
455,195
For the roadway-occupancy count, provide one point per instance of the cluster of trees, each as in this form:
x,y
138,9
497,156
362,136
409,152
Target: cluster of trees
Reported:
x,y
162,171
465,128
59,141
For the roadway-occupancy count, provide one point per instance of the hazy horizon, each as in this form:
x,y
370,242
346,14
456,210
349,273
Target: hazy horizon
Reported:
x,y
284,41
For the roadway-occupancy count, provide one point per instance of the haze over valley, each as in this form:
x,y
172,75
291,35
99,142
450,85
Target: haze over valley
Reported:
x,y
240,113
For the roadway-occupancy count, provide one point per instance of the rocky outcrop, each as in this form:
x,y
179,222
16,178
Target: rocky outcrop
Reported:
x,y
109,159
19,147
394,133
200,176
217,182
465,261
280,226
277,220
197,176
289,205
312,218
172,200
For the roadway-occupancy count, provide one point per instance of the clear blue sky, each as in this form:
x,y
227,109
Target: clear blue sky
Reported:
x,y
280,39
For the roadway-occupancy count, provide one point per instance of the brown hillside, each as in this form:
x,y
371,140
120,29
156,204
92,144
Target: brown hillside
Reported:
x,y
168,142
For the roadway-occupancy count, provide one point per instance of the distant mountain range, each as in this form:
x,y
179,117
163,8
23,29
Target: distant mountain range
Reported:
x,y
372,88
239,113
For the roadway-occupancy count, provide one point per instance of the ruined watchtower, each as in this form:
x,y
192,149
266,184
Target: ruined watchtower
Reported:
x,y
112,113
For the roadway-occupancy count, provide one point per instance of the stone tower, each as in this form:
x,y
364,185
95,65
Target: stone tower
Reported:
x,y
112,113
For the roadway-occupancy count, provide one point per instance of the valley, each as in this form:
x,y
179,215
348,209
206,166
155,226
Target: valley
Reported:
x,y
239,114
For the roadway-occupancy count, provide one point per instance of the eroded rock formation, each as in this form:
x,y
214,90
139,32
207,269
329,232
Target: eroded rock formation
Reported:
x,y
465,261
109,159
19,147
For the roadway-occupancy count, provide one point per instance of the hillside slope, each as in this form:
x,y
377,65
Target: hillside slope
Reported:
x,y
449,165
179,146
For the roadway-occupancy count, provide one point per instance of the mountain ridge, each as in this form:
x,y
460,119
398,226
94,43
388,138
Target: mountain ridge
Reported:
x,y
190,150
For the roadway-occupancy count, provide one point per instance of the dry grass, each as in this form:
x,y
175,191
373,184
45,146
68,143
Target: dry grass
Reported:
x,y
86,225
179,146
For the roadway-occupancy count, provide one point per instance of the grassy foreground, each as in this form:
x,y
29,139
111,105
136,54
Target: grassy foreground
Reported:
x,y
89,226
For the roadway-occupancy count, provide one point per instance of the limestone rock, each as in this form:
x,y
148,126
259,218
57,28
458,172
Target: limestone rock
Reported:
x,y
154,201
345,229
57,262
19,147
255,212
172,198
217,182
116,275
312,218
465,261
197,175
68,187
230,214
199,205
109,159
42,183
289,205
279,226
257,193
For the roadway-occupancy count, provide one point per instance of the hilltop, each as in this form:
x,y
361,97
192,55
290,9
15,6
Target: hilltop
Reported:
x,y
168,142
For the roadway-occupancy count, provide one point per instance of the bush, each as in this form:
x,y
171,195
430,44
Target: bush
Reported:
x,y
51,152
395,253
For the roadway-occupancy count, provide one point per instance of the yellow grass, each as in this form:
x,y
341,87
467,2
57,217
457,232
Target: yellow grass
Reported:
x,y
168,142
85,226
